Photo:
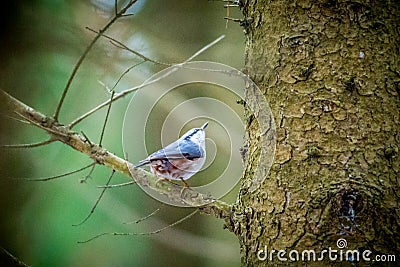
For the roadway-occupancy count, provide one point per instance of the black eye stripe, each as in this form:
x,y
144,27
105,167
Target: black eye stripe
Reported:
x,y
188,137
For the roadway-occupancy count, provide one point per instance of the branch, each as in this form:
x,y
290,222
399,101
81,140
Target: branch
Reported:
x,y
15,260
120,45
133,89
60,175
145,233
97,201
83,56
31,145
100,155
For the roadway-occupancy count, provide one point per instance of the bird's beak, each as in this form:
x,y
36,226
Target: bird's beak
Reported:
x,y
204,126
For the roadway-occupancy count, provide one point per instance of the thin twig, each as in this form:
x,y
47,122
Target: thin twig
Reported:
x,y
83,56
13,118
97,201
36,123
31,145
106,118
146,233
227,15
15,260
117,185
126,72
125,47
205,48
86,138
126,15
88,175
128,91
232,19
60,175
146,217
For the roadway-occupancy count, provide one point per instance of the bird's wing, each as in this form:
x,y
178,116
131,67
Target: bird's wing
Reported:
x,y
178,150
142,162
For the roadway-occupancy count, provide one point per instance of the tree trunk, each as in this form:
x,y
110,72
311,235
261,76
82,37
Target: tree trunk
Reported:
x,y
330,71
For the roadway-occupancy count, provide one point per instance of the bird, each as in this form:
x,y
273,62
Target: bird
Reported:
x,y
181,159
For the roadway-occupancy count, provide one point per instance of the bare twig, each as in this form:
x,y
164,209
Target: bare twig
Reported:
x,y
227,15
126,72
106,119
128,91
146,233
145,217
117,185
97,201
31,145
125,47
43,124
15,260
83,56
60,175
16,119
88,175
232,19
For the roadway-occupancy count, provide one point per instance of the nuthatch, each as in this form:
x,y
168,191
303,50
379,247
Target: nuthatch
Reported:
x,y
181,159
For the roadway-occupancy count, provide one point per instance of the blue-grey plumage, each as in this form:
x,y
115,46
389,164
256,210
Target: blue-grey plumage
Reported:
x,y
181,159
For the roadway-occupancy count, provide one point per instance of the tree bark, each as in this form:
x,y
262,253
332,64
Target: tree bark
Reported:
x,y
331,73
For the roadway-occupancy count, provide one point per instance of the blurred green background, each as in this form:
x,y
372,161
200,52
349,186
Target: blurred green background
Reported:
x,y
41,40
